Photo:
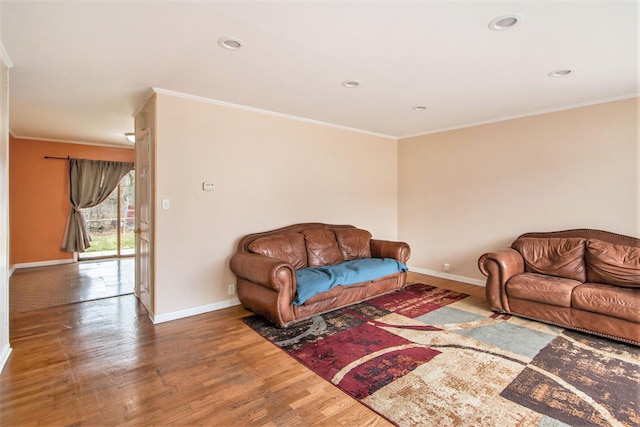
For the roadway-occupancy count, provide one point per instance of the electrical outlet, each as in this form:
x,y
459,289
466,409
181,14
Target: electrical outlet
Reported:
x,y
446,267
232,289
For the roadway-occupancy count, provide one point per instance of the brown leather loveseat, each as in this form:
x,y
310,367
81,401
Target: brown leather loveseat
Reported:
x,y
585,279
270,264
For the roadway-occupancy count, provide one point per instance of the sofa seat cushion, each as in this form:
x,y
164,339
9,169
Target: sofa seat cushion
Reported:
x,y
287,247
623,303
554,256
313,281
613,264
542,288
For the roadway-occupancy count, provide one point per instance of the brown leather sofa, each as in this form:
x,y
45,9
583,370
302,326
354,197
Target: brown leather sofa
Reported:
x,y
584,279
266,263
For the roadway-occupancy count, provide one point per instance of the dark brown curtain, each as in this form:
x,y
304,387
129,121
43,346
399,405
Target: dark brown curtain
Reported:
x,y
90,183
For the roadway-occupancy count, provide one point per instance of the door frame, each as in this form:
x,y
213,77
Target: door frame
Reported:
x,y
144,289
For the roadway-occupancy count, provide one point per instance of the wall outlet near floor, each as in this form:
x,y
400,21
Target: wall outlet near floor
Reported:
x,y
446,266
232,289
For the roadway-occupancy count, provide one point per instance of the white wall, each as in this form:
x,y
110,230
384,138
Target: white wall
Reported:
x,y
468,191
269,172
452,195
5,348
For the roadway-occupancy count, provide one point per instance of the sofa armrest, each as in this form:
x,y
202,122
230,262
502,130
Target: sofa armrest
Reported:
x,y
399,251
499,267
271,273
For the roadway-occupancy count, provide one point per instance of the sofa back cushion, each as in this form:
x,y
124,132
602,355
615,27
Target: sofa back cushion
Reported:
x,y
322,247
287,247
613,264
559,257
353,243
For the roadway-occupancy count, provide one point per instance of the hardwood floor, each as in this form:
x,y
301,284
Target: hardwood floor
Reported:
x,y
42,287
103,363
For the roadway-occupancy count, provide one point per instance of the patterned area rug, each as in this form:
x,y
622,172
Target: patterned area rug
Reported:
x,y
428,356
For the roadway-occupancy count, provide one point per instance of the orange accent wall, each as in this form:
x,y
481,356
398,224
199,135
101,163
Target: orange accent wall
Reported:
x,y
39,195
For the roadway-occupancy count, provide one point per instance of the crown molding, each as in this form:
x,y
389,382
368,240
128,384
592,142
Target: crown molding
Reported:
x,y
150,93
267,112
520,116
97,144
5,56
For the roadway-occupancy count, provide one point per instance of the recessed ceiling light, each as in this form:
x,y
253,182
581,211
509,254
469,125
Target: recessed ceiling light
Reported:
x,y
130,136
230,43
351,83
561,73
504,22
420,108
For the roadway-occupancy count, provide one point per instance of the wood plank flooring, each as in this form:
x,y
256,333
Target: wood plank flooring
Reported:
x,y
42,287
103,363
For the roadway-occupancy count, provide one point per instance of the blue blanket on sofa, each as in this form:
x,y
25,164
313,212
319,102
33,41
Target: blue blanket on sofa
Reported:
x,y
312,281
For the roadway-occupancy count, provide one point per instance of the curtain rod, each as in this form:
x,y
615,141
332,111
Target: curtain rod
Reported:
x,y
69,158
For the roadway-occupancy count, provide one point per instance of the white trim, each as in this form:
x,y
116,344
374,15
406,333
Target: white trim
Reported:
x,y
270,113
98,144
462,279
530,114
149,313
4,356
193,311
5,56
144,104
43,263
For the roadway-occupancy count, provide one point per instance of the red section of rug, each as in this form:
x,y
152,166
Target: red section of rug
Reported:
x,y
376,373
396,357
417,300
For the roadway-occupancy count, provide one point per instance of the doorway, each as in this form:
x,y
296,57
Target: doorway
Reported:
x,y
112,223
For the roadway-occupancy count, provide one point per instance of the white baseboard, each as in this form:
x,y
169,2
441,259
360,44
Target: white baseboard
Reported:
x,y
4,356
42,263
462,279
187,312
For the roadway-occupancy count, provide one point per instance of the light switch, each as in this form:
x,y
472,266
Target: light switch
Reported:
x,y
166,204
208,186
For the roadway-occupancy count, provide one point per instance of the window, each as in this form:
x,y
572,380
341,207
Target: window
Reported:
x,y
112,222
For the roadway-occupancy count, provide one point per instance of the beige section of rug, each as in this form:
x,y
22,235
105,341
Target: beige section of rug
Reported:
x,y
467,380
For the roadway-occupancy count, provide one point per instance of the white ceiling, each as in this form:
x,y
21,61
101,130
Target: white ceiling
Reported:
x,y
81,69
